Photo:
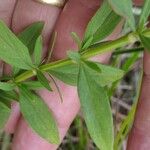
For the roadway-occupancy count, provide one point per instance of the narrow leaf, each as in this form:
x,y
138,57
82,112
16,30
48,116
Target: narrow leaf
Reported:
x,y
107,27
67,73
9,95
33,85
124,128
38,51
6,86
128,64
12,51
108,75
145,41
75,56
145,13
93,66
4,114
42,79
15,71
124,8
30,35
98,19
38,115
128,121
96,109
101,25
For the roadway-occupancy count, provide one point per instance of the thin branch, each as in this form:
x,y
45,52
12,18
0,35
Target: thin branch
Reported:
x,y
52,44
57,87
91,52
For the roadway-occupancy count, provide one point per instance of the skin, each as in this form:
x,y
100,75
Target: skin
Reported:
x,y
74,17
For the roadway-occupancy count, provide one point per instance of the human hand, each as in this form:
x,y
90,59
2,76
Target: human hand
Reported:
x,y
25,13
74,17
139,137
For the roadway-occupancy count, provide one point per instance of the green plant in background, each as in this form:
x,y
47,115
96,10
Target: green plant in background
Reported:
x,y
92,79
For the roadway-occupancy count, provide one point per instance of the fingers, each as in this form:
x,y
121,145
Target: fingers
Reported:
x,y
140,134
74,17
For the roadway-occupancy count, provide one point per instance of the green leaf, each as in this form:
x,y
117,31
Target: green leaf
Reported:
x,y
38,51
128,64
75,56
101,25
42,79
145,41
93,66
125,127
107,27
30,35
86,44
6,102
124,8
96,109
38,115
4,114
15,71
12,51
6,86
126,124
69,73
145,13
33,85
7,97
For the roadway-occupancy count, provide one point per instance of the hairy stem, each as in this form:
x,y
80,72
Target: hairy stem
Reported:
x,y
91,52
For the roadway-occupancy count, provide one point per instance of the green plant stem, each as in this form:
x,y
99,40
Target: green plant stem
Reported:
x,y
127,51
91,52
127,123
